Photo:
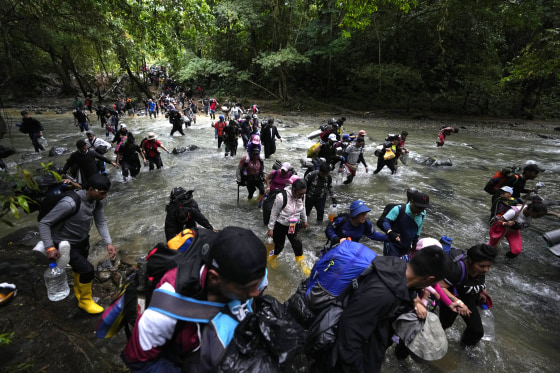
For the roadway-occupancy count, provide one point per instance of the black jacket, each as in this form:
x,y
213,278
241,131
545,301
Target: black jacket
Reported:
x,y
364,329
85,163
268,135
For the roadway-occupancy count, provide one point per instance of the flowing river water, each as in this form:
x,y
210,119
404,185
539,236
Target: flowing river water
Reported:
x,y
525,292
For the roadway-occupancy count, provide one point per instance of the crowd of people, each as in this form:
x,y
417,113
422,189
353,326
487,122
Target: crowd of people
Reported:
x,y
413,273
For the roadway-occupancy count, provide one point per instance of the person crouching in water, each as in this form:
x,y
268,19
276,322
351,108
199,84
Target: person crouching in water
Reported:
x,y
285,220
509,225
354,154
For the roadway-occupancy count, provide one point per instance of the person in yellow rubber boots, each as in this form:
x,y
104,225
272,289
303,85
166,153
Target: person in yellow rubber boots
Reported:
x,y
70,220
288,214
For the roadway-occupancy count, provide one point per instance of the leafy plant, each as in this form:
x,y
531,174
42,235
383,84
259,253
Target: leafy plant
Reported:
x,y
6,338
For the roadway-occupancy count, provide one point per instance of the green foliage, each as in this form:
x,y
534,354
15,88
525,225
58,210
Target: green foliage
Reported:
x,y
6,338
285,58
11,203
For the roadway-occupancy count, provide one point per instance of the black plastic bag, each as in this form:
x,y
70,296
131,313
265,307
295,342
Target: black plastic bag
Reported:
x,y
298,307
264,341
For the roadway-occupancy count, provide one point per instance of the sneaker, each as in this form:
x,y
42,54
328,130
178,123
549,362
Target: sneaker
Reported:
x,y
64,250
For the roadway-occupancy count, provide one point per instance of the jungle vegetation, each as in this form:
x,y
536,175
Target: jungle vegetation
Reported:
x,y
481,57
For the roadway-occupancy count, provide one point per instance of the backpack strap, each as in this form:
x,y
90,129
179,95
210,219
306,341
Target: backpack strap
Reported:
x,y
184,308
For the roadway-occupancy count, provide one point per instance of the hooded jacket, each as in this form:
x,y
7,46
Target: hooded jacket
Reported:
x,y
365,327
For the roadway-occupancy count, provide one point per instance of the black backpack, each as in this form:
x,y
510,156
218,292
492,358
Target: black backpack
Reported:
x,y
50,202
389,207
188,251
269,202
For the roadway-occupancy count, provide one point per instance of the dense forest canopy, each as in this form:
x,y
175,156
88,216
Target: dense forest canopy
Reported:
x,y
488,57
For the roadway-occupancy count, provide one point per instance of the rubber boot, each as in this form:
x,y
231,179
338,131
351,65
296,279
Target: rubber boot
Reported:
x,y
86,301
272,263
76,288
302,265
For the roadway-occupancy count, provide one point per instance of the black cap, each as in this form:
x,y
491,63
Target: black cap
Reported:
x,y
532,167
421,200
238,255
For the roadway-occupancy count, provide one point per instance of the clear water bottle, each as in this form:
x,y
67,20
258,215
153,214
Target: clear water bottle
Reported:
x,y
269,245
56,282
487,318
43,141
333,212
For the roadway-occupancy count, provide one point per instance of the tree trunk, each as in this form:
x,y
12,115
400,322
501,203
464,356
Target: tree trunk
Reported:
x,y
142,87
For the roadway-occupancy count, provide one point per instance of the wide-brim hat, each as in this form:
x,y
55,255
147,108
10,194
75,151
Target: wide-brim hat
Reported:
x,y
152,136
357,207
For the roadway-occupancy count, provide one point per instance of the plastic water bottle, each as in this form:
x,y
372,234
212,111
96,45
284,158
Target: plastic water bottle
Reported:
x,y
487,318
43,141
333,212
56,282
269,245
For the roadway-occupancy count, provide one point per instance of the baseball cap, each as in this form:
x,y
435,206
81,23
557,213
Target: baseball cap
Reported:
x,y
428,241
357,207
507,189
286,166
362,133
256,139
151,136
90,132
533,167
332,137
421,200
238,255
123,125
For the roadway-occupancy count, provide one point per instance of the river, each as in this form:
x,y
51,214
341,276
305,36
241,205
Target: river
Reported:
x,y
525,292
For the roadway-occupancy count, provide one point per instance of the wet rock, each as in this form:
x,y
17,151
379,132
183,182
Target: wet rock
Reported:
x,y
544,136
557,128
57,151
435,162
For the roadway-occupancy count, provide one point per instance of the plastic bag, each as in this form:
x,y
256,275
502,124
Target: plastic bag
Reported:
x,y
388,154
298,308
264,341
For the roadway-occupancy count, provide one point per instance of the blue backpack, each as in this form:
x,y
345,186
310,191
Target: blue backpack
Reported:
x,y
332,280
335,271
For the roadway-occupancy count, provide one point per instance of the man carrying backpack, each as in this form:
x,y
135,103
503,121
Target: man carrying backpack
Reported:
x,y
353,226
319,183
403,226
517,182
75,219
390,289
182,213
232,274
33,128
83,162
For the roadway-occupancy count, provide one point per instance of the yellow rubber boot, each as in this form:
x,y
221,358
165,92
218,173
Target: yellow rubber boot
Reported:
x,y
86,301
302,265
272,263
76,288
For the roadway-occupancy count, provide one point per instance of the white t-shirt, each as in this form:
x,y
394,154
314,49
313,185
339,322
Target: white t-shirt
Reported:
x,y
522,220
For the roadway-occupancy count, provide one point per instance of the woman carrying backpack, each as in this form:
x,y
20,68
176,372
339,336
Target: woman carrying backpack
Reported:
x,y
285,222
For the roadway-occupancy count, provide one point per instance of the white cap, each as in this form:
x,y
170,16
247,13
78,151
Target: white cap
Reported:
x,y
425,242
332,137
286,166
507,189
123,125
151,136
